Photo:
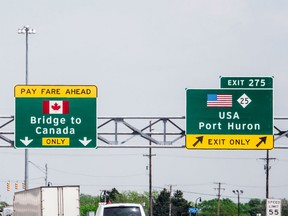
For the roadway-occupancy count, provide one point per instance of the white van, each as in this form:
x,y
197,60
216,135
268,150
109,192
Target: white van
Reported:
x,y
120,209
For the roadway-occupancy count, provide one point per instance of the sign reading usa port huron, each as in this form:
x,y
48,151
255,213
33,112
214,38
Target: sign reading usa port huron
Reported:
x,y
53,116
229,119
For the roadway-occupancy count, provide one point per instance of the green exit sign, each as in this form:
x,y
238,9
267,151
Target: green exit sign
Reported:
x,y
229,111
55,116
246,82
229,119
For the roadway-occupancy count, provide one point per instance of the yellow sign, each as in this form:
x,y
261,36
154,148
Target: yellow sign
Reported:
x,y
229,142
55,91
55,141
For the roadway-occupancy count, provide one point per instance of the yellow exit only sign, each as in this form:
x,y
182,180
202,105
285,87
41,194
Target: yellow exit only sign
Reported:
x,y
224,141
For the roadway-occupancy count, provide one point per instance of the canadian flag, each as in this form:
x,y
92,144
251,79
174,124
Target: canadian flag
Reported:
x,y
55,107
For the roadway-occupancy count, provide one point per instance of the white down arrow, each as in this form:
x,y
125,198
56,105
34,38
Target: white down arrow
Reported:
x,y
26,141
85,142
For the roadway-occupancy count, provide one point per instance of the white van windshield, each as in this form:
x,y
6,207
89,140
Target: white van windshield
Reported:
x,y
122,211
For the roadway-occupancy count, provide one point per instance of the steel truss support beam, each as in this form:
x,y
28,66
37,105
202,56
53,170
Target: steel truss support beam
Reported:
x,y
280,133
7,136
165,131
116,132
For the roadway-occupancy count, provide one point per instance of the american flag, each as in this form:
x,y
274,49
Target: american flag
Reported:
x,y
219,100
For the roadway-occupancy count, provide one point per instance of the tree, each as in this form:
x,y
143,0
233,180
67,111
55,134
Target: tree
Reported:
x,y
88,203
161,205
130,197
209,208
111,195
284,206
179,204
255,206
2,205
228,208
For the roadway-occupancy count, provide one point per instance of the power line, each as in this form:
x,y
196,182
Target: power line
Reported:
x,y
94,176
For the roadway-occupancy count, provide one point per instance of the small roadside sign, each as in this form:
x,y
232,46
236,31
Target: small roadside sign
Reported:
x,y
273,207
193,210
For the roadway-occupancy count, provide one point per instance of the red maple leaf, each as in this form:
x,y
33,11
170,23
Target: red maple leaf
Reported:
x,y
55,106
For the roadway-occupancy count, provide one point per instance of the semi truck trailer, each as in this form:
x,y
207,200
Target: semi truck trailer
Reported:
x,y
47,201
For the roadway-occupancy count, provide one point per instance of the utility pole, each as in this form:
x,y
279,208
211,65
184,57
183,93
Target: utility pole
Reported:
x,y
267,168
150,175
170,201
46,174
219,196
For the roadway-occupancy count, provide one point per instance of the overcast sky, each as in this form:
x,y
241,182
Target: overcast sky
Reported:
x,y
142,55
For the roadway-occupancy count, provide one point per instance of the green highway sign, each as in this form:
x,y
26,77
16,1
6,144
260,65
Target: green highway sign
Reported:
x,y
55,116
246,82
229,119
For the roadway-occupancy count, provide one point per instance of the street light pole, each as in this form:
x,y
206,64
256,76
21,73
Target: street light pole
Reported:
x,y
196,206
238,193
26,30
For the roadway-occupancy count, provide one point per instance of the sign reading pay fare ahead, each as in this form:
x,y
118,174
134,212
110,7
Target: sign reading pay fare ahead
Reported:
x,y
55,116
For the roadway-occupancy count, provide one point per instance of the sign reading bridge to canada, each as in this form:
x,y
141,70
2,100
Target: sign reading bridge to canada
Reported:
x,y
55,116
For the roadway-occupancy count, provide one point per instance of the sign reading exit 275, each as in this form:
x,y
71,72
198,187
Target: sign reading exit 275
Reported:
x,y
229,119
55,116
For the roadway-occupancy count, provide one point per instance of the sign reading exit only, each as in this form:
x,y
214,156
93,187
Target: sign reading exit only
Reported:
x,y
229,119
55,116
